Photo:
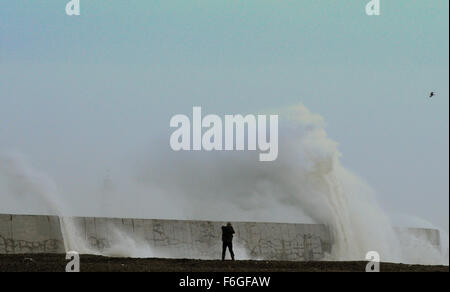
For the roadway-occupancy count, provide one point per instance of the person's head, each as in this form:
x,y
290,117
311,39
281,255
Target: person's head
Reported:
x,y
229,224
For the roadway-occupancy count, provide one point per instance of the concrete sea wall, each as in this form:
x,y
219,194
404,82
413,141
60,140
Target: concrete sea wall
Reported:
x,y
172,238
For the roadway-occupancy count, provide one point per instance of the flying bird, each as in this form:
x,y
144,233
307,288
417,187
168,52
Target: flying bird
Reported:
x,y
432,94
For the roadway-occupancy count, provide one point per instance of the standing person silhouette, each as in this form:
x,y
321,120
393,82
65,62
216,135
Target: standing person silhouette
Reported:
x,y
227,240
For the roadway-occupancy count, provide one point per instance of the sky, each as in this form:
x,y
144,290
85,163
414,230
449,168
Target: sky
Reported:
x,y
80,95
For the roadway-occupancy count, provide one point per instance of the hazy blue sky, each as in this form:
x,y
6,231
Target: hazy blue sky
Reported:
x,y
80,94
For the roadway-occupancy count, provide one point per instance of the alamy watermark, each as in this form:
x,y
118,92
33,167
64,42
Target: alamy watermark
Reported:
x,y
373,266
372,8
73,7
231,130
73,266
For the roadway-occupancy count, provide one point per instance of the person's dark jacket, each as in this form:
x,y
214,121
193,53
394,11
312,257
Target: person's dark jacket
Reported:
x,y
227,233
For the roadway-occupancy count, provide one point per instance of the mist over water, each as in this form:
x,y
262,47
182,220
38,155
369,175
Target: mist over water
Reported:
x,y
19,178
307,183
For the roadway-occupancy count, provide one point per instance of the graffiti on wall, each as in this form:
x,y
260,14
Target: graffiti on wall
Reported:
x,y
9,245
